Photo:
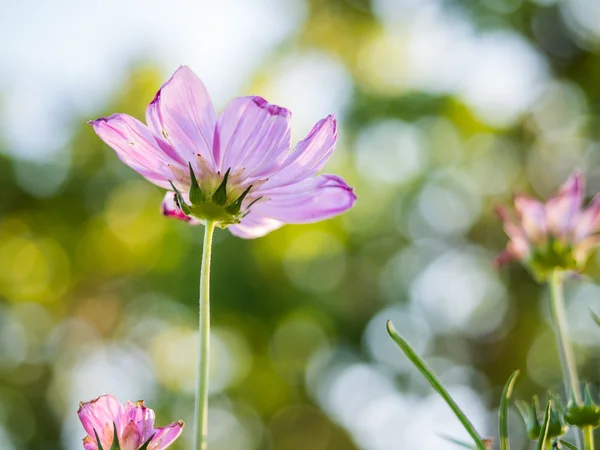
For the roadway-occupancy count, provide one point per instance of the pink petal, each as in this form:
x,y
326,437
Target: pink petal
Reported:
x,y
143,418
518,246
170,209
130,438
89,443
311,200
137,147
99,415
532,216
254,226
309,156
588,221
252,135
562,210
166,436
183,114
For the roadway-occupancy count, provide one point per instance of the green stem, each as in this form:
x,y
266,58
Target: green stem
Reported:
x,y
588,438
201,405
567,358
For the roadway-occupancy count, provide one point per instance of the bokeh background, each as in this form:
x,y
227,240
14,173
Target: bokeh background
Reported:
x,y
445,107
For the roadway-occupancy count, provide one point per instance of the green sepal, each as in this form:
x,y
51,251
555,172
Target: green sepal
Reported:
x,y
234,208
543,436
115,443
220,195
98,440
146,444
196,195
557,424
180,202
583,415
568,445
530,417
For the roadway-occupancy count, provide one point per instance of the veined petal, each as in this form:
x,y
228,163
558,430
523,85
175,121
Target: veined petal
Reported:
x,y
130,438
183,114
563,209
309,156
254,226
143,418
137,147
166,436
588,221
170,209
252,135
311,200
533,218
99,415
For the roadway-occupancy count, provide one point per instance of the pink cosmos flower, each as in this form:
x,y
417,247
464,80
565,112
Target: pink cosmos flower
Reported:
x,y
557,234
235,168
134,425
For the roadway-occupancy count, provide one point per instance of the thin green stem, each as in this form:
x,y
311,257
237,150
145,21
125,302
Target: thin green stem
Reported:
x,y
588,438
201,405
567,358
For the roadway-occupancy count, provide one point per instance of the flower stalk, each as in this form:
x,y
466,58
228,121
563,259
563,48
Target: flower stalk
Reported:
x,y
588,437
201,404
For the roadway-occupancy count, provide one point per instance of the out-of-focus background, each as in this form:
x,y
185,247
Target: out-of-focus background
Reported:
x,y
445,108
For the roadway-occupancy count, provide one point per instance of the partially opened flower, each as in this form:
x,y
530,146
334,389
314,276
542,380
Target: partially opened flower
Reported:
x,y
235,168
557,234
109,425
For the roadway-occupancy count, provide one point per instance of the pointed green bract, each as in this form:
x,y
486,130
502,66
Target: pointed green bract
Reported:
x,y
595,317
196,195
235,207
179,200
435,383
146,444
220,195
98,441
568,445
503,414
115,443
543,437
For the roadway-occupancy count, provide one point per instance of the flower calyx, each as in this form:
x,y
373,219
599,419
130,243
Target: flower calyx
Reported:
x,y
220,206
115,443
586,414
532,414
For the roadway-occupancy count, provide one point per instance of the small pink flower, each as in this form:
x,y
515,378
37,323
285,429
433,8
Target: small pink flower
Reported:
x,y
133,423
235,168
557,234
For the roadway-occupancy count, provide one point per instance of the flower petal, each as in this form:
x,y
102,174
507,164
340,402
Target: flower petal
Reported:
x,y
89,443
254,226
583,248
170,209
142,417
130,438
532,216
183,114
252,135
166,436
137,147
563,209
99,415
588,221
309,156
311,200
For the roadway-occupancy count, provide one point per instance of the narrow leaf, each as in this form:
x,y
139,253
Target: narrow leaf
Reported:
x,y
595,317
503,414
568,445
545,427
456,441
435,383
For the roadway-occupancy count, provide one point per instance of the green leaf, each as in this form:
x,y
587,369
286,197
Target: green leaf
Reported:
x,y
98,441
435,383
595,317
545,427
503,414
568,445
196,195
220,195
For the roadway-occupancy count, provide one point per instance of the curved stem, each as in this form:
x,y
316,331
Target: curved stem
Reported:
x,y
201,404
588,438
567,358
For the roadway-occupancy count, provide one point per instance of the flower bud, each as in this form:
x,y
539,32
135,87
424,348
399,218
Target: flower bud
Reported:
x,y
583,415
